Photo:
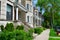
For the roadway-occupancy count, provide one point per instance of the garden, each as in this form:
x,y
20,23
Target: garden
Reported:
x,y
10,33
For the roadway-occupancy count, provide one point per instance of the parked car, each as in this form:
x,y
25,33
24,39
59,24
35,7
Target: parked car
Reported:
x,y
57,29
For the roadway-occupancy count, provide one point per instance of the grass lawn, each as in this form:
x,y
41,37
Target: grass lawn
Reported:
x,y
52,33
54,38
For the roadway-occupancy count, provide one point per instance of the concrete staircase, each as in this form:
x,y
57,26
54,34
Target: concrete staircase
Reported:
x,y
26,26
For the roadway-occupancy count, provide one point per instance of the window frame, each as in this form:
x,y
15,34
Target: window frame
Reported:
x,y
0,5
11,15
28,18
27,6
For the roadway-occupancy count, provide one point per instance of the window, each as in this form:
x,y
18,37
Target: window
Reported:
x,y
39,22
9,12
0,5
31,8
36,22
16,1
27,18
28,6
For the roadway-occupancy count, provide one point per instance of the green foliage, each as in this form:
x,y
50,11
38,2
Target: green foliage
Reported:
x,y
2,28
10,33
52,9
53,33
30,32
43,28
20,27
54,38
9,27
21,35
15,35
38,30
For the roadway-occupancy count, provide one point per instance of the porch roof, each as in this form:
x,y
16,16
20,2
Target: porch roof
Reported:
x,y
20,6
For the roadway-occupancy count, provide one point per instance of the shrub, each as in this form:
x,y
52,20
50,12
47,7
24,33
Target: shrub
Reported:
x,y
43,28
22,35
52,33
2,28
30,32
38,30
20,27
15,35
11,34
9,27
7,35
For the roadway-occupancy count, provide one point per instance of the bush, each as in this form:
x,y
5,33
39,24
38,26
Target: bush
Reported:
x,y
30,32
2,28
38,30
44,28
52,33
15,35
20,34
20,27
9,27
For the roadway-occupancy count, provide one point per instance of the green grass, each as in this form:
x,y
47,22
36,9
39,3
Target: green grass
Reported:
x,y
52,33
54,38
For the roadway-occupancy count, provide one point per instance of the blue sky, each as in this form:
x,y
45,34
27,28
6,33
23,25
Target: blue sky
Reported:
x,y
34,2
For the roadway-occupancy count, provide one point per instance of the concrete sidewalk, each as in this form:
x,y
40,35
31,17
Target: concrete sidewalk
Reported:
x,y
44,35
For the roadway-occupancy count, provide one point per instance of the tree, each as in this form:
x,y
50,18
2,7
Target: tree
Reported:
x,y
52,9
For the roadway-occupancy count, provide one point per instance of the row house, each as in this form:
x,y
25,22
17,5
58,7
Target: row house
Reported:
x,y
38,18
29,14
17,12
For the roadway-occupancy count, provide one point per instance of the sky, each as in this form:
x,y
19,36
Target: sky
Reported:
x,y
34,2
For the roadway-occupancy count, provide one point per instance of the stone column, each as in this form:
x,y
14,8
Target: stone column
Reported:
x,y
13,13
3,9
16,13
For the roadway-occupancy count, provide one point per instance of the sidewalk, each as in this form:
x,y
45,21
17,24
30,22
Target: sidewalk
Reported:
x,y
44,35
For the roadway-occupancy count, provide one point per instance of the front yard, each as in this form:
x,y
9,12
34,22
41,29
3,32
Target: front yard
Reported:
x,y
53,35
10,33
54,38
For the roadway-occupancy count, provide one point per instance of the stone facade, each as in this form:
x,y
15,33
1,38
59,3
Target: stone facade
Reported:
x,y
19,12
22,13
29,13
37,19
